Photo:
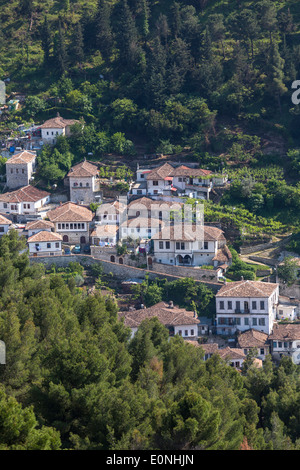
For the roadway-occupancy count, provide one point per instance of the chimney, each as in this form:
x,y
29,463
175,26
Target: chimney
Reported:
x,y
171,305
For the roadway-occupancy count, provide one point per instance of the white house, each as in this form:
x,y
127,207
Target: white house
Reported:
x,y
26,200
285,341
159,183
110,213
54,127
45,243
194,182
105,235
190,245
178,320
147,207
245,304
140,228
38,226
4,225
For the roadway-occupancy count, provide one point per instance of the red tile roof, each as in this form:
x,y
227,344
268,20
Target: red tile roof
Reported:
x,y
21,158
26,194
44,236
70,212
84,168
247,289
58,123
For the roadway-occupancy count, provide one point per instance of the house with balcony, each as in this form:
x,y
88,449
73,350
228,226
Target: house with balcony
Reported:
x,y
242,305
19,169
193,182
189,245
178,321
84,183
285,341
72,222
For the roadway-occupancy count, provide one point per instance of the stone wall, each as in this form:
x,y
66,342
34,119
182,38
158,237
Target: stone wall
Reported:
x,y
184,271
121,271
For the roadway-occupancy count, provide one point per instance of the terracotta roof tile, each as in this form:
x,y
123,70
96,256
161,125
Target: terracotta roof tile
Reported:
x,y
58,123
285,332
21,158
192,172
252,339
84,168
45,236
160,173
247,289
26,194
39,224
166,315
70,212
4,220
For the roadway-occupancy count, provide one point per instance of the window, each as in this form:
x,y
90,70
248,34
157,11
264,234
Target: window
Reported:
x,y
56,244
48,245
177,245
246,321
229,305
5,205
274,344
142,176
280,344
285,345
221,304
1,229
262,351
237,321
254,305
205,245
180,332
23,171
155,183
182,246
192,332
262,304
262,322
167,245
186,332
11,170
59,226
161,245
238,305
254,321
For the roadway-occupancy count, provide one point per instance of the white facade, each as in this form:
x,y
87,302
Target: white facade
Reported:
x,y
23,208
189,253
242,313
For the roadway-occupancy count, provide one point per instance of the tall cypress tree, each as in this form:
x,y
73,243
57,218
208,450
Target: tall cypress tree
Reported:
x,y
61,50
46,40
78,48
104,34
126,35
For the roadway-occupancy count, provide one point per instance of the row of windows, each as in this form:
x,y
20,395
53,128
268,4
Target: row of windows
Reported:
x,y
49,245
52,133
80,184
254,305
246,321
179,245
280,344
137,229
186,333
71,226
17,170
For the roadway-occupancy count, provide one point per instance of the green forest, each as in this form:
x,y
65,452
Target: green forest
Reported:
x,y
75,380
208,81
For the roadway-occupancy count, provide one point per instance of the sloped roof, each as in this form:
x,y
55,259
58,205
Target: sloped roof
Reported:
x,y
147,203
160,173
247,288
26,194
84,168
70,212
58,123
109,230
188,232
4,220
252,339
39,224
231,353
21,158
166,315
285,332
193,172
223,254
44,236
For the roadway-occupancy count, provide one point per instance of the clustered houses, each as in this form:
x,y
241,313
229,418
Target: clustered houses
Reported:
x,y
4,225
171,180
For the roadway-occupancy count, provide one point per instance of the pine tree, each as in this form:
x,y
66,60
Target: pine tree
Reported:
x,y
126,36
